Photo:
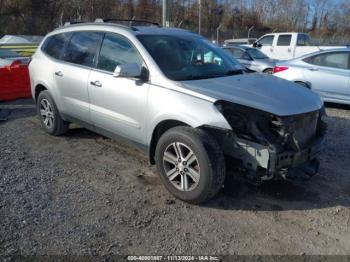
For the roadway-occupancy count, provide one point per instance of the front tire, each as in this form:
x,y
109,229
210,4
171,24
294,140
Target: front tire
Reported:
x,y
49,115
190,163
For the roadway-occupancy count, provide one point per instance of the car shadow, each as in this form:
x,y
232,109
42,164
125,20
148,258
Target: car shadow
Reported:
x,y
337,106
21,108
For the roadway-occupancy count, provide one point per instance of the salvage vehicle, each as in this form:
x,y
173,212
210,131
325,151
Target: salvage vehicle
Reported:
x,y
285,46
14,75
180,98
326,73
252,58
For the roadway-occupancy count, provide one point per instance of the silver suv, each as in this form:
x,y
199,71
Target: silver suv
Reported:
x,y
180,98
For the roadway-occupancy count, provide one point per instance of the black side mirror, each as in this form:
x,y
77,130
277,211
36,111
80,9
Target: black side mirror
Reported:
x,y
144,77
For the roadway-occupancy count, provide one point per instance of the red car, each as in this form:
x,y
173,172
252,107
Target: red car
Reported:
x,y
14,75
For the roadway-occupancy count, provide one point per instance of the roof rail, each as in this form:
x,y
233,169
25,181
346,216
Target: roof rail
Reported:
x,y
131,21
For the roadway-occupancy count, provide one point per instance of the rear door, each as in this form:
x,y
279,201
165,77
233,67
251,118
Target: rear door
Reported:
x,y
118,105
71,75
329,75
283,48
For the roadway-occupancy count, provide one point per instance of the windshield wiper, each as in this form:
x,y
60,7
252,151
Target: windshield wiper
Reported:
x,y
228,73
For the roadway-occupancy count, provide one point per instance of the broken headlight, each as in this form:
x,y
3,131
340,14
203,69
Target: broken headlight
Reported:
x,y
290,132
244,121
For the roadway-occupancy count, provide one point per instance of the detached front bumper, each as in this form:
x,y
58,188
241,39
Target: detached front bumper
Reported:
x,y
299,165
261,162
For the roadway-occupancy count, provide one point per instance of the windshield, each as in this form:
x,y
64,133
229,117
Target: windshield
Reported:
x,y
256,54
188,58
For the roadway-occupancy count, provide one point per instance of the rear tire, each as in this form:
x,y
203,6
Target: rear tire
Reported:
x,y
50,118
191,164
268,71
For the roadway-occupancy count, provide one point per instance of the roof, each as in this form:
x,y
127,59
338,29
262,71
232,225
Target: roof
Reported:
x,y
238,46
136,30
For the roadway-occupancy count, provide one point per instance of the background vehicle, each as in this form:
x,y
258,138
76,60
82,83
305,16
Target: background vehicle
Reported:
x,y
252,58
25,45
284,46
325,72
180,98
239,41
14,75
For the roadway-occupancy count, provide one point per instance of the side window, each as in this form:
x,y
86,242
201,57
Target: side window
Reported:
x,y
238,53
228,51
266,40
284,40
303,40
54,45
82,48
117,50
335,60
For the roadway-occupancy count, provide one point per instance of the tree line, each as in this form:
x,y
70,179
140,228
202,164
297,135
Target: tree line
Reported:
x,y
326,20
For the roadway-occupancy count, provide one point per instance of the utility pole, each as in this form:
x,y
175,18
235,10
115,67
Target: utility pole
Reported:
x,y
217,33
199,16
166,13
249,30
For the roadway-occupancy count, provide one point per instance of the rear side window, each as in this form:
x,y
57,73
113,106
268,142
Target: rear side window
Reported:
x,y
238,53
336,60
303,40
82,48
117,50
284,40
267,40
54,45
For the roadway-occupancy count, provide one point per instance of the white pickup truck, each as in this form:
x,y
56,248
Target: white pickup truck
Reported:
x,y
285,46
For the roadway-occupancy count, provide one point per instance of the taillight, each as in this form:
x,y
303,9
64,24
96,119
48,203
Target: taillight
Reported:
x,y
277,69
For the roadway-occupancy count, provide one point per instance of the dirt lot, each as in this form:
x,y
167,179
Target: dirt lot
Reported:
x,y
83,194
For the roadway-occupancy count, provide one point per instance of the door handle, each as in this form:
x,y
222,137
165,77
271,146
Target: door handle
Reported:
x,y
59,73
96,83
313,69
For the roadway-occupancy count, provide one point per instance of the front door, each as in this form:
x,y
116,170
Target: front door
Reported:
x,y
265,44
118,105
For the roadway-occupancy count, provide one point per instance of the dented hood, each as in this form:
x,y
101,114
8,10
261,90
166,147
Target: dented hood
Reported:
x,y
259,91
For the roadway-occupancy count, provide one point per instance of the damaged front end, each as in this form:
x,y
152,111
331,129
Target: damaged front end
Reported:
x,y
265,146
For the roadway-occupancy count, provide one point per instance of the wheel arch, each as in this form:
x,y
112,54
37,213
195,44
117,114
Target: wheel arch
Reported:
x,y
158,131
38,89
304,83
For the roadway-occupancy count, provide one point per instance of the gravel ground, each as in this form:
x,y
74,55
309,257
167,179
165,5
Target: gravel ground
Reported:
x,y
83,194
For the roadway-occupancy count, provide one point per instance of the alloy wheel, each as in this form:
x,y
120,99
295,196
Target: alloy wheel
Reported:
x,y
46,113
181,166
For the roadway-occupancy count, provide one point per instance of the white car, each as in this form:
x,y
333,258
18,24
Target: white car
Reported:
x,y
326,73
